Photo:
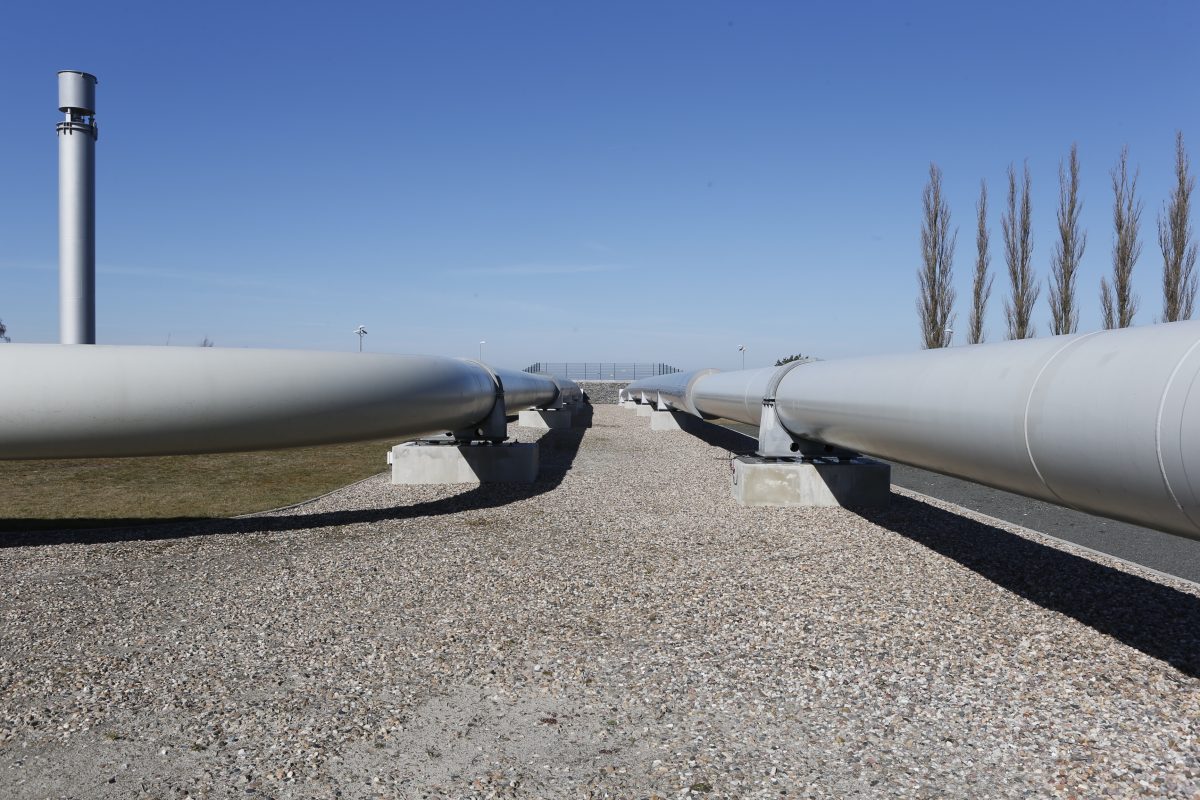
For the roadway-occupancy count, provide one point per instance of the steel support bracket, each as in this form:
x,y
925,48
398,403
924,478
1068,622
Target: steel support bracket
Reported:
x,y
776,441
492,429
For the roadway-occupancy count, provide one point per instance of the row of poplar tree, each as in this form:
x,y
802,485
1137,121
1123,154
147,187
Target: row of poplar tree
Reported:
x,y
1118,302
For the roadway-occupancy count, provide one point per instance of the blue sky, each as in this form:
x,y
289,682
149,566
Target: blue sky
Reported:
x,y
607,181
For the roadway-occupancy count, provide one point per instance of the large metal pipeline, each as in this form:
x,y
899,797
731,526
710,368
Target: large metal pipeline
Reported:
x,y
568,390
524,390
67,401
1105,422
675,390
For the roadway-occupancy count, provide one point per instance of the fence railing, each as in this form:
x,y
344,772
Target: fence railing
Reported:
x,y
601,370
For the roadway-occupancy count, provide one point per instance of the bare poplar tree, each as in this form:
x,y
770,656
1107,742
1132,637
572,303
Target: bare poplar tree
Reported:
x,y
1117,301
937,254
1016,225
1068,250
1177,242
1107,314
981,287
3,332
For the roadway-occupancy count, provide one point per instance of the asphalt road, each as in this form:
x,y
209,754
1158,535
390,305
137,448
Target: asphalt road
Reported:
x,y
1173,555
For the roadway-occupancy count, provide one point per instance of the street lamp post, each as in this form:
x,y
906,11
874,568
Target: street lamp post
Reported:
x,y
481,344
361,331
742,350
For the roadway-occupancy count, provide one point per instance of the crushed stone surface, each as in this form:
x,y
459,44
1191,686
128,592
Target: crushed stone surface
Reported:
x,y
603,392
619,629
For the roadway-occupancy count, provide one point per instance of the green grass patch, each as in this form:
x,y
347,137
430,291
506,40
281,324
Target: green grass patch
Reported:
x,y
75,493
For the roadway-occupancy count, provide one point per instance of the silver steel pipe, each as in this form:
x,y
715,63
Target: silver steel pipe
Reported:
x,y
1105,422
734,395
77,135
568,390
63,401
524,390
674,391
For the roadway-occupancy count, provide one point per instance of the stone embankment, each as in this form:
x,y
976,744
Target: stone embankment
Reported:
x,y
603,392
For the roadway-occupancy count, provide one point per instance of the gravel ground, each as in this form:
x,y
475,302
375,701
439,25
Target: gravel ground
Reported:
x,y
619,629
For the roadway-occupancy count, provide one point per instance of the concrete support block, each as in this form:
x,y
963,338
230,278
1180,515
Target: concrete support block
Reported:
x,y
416,463
759,481
644,409
665,421
544,419
628,404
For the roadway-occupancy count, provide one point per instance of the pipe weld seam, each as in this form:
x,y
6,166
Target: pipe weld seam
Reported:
x,y
1029,402
1162,407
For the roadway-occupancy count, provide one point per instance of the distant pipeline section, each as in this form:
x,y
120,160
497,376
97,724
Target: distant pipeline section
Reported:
x,y
84,401
1107,422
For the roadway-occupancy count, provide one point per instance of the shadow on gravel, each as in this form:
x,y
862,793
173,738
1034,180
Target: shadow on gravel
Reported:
x,y
1159,621
582,417
737,443
556,455
1162,622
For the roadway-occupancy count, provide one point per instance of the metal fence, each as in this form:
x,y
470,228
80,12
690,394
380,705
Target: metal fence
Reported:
x,y
600,370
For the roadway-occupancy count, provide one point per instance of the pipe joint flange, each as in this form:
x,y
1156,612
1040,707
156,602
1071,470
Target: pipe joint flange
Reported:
x,y
776,441
494,427
777,378
691,385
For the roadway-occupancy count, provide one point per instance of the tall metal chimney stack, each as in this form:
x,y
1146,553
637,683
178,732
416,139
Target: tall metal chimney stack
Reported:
x,y
77,208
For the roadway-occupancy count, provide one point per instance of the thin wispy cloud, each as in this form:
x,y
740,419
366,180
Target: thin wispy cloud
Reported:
x,y
158,273
36,266
539,269
196,276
